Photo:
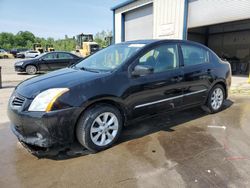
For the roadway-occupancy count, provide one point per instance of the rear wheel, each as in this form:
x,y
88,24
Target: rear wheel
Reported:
x,y
31,69
216,98
99,127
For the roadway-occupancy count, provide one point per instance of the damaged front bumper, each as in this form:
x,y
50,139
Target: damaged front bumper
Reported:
x,y
42,129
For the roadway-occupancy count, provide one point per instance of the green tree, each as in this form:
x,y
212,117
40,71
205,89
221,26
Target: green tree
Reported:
x,y
26,39
6,40
100,38
23,38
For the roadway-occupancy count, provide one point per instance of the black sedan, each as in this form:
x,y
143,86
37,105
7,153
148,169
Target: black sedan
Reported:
x,y
92,100
47,62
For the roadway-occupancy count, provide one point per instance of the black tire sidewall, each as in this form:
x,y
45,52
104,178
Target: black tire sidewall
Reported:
x,y
85,124
209,101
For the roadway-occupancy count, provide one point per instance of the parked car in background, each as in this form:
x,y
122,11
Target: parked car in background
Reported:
x,y
47,62
92,100
5,55
29,54
14,52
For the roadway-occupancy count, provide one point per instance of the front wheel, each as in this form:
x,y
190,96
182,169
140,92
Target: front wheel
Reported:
x,y
31,69
216,98
99,127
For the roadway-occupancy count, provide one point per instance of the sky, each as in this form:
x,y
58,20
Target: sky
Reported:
x,y
56,18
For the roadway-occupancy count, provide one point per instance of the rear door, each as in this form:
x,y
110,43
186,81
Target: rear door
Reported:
x,y
64,60
160,91
197,73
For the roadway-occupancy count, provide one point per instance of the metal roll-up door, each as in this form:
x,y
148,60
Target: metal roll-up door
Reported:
x,y
138,23
209,12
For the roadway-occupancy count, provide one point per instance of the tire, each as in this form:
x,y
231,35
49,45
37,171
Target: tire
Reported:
x,y
31,69
93,133
216,99
5,57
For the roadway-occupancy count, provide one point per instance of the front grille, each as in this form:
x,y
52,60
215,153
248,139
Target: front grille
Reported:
x,y
18,101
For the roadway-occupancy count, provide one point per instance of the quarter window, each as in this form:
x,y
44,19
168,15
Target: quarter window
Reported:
x,y
162,58
193,55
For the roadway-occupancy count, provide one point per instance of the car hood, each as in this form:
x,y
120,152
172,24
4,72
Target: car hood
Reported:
x,y
63,78
26,61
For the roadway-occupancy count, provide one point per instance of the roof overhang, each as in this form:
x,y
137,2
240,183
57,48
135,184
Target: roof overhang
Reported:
x,y
122,4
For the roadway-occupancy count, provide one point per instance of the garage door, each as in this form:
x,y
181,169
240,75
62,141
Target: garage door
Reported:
x,y
138,24
209,12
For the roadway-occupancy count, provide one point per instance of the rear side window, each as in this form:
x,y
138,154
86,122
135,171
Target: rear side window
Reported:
x,y
194,55
64,56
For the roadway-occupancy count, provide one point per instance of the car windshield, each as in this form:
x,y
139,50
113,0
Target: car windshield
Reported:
x,y
40,55
109,58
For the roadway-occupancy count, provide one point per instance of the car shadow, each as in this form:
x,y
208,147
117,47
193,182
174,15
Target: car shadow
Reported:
x,y
8,87
24,73
138,129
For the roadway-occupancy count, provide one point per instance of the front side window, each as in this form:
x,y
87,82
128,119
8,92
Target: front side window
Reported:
x,y
194,55
109,58
50,56
162,58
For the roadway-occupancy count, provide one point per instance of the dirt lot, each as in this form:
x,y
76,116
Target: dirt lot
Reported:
x,y
185,149
9,76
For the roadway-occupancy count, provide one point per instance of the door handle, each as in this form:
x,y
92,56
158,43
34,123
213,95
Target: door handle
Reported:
x,y
209,71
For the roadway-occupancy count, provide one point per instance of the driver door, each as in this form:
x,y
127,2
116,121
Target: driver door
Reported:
x,y
48,62
161,90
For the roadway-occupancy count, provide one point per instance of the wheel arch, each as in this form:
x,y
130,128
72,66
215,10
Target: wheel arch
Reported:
x,y
104,101
222,82
33,64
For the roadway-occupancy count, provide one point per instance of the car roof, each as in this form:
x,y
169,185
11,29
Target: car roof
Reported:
x,y
59,52
156,41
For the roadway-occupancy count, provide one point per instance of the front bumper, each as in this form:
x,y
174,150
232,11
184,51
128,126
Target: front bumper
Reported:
x,y
43,129
19,69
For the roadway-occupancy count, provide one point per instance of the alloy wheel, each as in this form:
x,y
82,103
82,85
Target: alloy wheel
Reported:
x,y
104,129
30,69
217,98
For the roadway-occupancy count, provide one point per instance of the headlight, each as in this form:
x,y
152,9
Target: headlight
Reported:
x,y
45,100
19,63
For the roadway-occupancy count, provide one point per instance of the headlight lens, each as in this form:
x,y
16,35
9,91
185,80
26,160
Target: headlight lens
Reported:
x,y
45,100
19,63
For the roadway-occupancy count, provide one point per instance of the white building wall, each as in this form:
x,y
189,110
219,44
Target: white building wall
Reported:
x,y
209,12
168,19
118,16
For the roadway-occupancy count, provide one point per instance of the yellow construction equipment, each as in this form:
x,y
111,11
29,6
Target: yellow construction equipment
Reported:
x,y
38,47
49,48
85,45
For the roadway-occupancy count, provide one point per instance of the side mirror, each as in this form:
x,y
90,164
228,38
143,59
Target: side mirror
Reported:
x,y
142,70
